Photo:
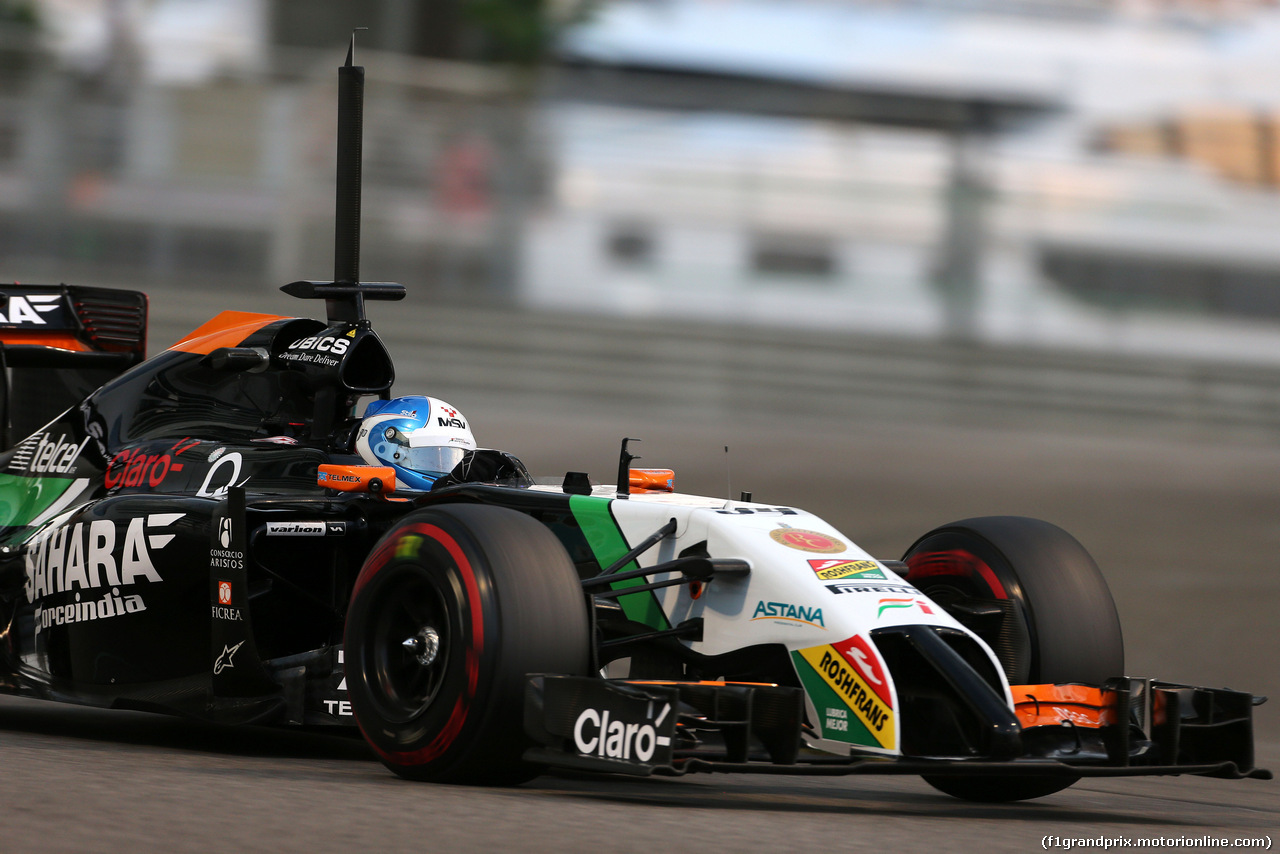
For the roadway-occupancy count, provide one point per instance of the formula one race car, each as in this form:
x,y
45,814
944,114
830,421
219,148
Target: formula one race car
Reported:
x,y
200,533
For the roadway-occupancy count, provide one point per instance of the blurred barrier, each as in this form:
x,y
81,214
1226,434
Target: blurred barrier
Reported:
x,y
230,183
664,368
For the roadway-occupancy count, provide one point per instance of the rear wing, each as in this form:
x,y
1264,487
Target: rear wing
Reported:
x,y
60,342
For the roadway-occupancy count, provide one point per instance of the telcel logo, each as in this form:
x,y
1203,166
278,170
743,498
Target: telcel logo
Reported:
x,y
594,733
55,456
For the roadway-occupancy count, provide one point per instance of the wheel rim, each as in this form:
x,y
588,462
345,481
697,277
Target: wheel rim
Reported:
x,y
957,571
413,635
962,582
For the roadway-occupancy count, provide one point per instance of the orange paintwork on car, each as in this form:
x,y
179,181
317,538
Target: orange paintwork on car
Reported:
x,y
1050,705
59,340
227,329
652,480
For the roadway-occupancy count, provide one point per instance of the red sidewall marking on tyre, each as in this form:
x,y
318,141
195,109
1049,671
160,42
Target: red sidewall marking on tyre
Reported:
x,y
956,562
458,716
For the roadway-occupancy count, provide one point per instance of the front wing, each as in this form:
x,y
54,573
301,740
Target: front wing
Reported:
x,y
1128,727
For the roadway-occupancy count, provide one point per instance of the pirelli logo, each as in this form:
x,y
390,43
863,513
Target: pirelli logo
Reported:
x,y
841,673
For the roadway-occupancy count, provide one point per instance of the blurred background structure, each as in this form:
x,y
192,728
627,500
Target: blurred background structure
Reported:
x,y
1065,206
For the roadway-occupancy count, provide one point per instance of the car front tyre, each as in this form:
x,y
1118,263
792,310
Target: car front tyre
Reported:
x,y
454,606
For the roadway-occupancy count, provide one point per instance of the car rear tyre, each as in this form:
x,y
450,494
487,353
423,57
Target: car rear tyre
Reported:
x,y
454,606
1058,622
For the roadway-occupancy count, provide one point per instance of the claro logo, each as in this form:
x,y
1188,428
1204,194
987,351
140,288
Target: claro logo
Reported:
x,y
595,734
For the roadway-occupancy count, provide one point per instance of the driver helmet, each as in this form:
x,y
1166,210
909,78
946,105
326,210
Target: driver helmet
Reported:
x,y
422,438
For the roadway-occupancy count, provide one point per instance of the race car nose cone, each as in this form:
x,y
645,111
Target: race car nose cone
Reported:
x,y
424,646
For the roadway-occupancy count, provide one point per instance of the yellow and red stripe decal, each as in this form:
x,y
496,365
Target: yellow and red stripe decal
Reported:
x,y
227,329
853,671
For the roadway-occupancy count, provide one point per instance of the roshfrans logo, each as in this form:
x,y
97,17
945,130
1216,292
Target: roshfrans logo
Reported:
x,y
595,734
854,672
786,611
40,454
828,569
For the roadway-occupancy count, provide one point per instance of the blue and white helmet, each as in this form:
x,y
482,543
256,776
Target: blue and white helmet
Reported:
x,y
422,438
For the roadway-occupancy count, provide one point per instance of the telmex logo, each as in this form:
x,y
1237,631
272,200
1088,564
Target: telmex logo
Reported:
x,y
336,346
26,310
787,611
595,734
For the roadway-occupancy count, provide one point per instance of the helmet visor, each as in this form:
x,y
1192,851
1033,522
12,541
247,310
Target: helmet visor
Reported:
x,y
433,459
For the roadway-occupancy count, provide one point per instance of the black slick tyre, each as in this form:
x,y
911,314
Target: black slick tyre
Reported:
x,y
453,607
1059,621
